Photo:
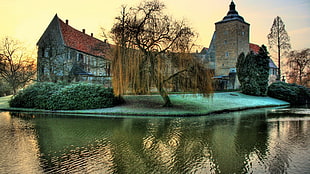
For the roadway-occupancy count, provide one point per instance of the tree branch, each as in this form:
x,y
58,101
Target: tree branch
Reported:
x,y
174,75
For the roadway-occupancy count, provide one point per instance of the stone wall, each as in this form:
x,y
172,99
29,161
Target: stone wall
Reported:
x,y
232,38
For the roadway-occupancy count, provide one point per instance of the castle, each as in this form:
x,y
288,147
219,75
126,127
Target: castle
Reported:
x,y
230,39
67,54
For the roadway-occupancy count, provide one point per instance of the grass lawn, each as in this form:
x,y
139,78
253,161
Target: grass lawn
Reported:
x,y
4,101
183,105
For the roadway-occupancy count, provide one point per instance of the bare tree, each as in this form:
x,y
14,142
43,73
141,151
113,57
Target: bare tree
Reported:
x,y
15,68
299,64
154,49
279,40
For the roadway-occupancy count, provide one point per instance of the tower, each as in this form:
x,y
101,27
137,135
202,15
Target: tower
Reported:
x,y
232,38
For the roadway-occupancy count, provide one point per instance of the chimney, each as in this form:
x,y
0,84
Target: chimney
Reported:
x,y
83,31
91,34
67,21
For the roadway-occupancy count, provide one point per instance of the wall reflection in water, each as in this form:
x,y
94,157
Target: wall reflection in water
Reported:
x,y
242,142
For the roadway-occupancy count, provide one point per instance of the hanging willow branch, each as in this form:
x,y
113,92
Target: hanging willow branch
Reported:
x,y
153,52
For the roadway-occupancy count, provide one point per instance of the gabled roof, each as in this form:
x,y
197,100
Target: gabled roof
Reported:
x,y
204,50
255,48
81,41
272,64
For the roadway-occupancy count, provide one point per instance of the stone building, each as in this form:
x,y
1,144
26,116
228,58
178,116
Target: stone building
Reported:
x,y
230,39
67,54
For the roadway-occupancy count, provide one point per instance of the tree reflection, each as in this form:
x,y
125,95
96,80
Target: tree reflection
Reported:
x,y
287,137
18,146
228,143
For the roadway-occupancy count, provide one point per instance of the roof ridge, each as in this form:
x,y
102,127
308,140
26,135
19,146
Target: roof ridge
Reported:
x,y
81,41
79,30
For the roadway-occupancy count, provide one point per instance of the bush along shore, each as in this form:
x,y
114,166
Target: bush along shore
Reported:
x,y
292,93
57,96
135,105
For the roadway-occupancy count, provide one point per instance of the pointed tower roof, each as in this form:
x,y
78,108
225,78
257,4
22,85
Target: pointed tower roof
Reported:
x,y
232,15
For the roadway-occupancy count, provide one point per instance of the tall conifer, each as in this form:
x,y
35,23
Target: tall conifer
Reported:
x,y
253,72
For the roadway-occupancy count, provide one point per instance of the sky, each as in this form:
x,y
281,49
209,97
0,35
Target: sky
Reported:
x,y
26,20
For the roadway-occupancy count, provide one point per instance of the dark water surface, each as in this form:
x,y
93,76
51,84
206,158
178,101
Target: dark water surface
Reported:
x,y
257,141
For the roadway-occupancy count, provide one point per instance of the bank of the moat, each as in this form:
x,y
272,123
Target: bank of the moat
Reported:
x,y
184,105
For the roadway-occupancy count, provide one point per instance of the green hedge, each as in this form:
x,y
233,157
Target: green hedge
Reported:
x,y
54,96
292,93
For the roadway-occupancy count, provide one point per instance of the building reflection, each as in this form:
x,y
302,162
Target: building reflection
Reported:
x,y
288,137
240,142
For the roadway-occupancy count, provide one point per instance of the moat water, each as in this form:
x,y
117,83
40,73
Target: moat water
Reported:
x,y
256,141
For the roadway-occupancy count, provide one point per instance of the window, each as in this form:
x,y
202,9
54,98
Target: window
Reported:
x,y
80,57
46,52
227,54
42,69
72,54
68,55
274,71
107,69
242,33
225,41
42,52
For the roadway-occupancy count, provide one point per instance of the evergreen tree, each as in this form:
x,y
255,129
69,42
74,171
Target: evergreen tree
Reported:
x,y
253,72
262,65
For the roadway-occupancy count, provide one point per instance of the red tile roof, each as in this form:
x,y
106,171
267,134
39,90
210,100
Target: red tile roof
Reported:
x,y
255,48
78,40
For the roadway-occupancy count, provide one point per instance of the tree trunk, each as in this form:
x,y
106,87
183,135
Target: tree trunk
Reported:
x,y
164,95
300,77
279,50
159,84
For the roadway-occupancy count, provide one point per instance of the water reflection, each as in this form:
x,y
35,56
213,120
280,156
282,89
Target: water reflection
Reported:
x,y
257,141
18,146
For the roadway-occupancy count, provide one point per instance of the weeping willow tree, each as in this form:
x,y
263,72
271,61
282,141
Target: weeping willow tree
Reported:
x,y
153,50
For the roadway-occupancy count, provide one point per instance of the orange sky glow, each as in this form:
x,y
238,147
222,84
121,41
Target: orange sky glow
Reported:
x,y
27,20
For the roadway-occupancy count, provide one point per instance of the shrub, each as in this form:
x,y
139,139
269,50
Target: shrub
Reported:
x,y
292,93
82,96
46,95
35,96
